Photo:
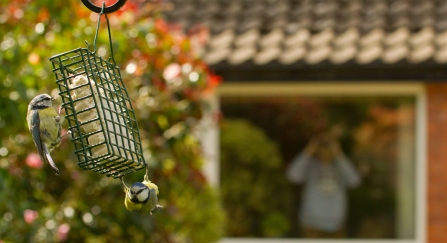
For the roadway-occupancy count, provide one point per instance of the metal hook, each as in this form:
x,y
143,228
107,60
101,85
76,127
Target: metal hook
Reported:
x,y
146,176
124,184
107,10
97,29
111,58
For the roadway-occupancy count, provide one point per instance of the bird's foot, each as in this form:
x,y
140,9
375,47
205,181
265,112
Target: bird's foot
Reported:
x,y
60,110
68,133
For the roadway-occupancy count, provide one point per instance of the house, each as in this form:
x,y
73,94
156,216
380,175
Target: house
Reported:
x,y
390,57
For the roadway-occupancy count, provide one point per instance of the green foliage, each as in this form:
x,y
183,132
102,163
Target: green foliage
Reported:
x,y
254,189
167,83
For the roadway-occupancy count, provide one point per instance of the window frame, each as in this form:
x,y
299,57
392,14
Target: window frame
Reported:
x,y
391,88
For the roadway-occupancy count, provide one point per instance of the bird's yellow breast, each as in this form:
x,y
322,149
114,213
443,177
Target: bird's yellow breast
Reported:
x,y
50,128
131,206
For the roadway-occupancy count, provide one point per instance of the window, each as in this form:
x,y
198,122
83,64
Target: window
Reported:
x,y
381,129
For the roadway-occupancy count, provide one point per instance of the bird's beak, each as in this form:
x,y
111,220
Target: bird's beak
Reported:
x,y
52,98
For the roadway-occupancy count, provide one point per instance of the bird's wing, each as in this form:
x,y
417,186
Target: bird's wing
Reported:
x,y
41,148
153,200
35,123
50,160
150,185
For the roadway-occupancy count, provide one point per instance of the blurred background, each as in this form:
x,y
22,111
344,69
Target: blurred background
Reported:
x,y
226,177
168,84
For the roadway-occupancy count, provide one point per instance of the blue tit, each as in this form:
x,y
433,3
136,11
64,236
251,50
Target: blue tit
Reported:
x,y
150,184
141,198
45,127
153,188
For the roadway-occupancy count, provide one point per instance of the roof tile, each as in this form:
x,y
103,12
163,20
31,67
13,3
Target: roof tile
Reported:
x,y
374,36
422,53
441,38
425,35
274,37
398,36
313,31
247,38
395,53
300,37
369,54
349,37
322,38
223,39
241,55
318,54
267,54
343,55
217,55
441,55
294,54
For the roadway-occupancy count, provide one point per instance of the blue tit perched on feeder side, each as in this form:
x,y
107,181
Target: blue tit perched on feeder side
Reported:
x,y
45,127
142,197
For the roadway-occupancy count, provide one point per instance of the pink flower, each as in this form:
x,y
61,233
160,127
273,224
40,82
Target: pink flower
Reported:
x,y
171,71
62,232
33,160
30,215
75,175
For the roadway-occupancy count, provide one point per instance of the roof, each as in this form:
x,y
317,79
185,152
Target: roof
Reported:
x,y
306,33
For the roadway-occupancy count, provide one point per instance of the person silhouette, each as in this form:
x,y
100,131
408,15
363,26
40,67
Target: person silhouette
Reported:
x,y
326,174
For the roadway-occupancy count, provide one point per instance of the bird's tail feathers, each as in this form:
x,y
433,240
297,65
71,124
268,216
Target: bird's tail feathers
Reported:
x,y
50,160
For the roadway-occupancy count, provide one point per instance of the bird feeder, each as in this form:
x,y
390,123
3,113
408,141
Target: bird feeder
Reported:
x,y
98,108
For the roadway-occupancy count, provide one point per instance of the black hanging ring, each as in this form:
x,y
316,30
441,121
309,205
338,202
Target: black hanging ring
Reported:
x,y
107,10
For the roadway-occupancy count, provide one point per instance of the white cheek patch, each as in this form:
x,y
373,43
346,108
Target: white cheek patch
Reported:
x,y
143,196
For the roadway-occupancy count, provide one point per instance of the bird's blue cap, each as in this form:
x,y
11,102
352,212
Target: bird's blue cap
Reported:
x,y
138,184
41,97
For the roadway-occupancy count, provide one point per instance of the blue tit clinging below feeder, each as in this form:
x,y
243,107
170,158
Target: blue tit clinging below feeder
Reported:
x,y
45,127
142,197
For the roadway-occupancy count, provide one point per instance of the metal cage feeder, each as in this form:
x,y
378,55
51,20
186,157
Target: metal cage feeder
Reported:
x,y
99,111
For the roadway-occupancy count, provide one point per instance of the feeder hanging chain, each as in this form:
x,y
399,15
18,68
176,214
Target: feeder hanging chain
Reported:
x,y
107,10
